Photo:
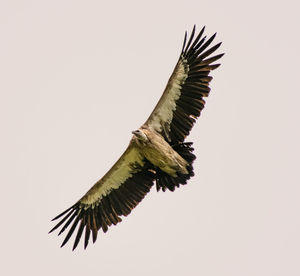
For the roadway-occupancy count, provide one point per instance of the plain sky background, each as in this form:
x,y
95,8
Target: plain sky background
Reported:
x,y
76,77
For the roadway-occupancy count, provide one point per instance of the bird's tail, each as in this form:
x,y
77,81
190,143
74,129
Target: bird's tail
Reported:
x,y
165,181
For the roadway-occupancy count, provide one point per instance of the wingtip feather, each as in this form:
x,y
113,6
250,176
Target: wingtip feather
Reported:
x,y
64,212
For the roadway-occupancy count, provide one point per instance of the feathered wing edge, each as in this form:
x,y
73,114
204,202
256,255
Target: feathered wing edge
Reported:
x,y
107,212
116,202
182,100
198,64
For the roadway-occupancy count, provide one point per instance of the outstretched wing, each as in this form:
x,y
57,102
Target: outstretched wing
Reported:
x,y
182,101
114,195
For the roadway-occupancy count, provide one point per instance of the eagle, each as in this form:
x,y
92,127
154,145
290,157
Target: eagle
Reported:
x,y
157,153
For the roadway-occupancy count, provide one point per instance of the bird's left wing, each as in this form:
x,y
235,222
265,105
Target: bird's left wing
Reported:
x,y
182,101
114,195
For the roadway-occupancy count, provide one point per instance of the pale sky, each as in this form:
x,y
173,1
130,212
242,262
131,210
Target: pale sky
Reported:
x,y
78,76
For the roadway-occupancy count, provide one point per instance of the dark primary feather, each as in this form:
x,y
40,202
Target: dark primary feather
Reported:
x,y
198,65
107,211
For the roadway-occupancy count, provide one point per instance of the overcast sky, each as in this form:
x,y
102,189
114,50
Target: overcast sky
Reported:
x,y
78,76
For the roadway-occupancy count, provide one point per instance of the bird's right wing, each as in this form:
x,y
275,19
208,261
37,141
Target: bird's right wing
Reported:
x,y
114,195
182,101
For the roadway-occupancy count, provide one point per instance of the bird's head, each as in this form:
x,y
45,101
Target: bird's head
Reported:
x,y
140,135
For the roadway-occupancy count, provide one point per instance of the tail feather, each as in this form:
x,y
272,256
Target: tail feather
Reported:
x,y
165,181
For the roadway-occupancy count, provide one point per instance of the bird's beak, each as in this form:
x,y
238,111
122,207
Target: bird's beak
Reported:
x,y
135,132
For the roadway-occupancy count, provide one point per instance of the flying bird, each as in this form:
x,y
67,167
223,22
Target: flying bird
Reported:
x,y
156,154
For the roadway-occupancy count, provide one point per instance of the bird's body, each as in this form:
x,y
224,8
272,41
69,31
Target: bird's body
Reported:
x,y
157,152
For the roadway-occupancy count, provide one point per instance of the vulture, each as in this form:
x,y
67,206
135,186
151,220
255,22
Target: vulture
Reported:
x,y
157,153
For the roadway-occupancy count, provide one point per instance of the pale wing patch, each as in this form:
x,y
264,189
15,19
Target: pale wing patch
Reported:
x,y
124,168
162,115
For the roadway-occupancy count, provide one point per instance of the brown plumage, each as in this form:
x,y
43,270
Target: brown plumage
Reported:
x,y
157,151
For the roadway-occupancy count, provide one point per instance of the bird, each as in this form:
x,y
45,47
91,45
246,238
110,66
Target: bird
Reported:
x,y
157,153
